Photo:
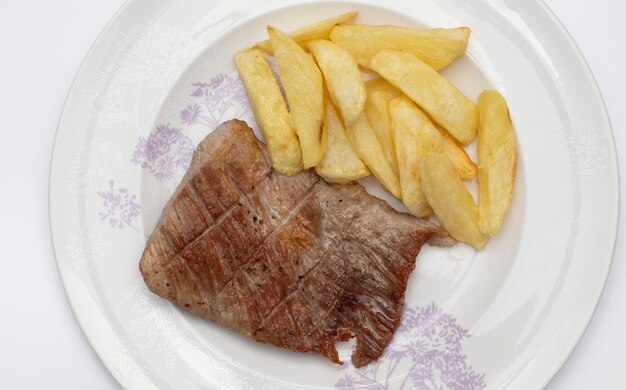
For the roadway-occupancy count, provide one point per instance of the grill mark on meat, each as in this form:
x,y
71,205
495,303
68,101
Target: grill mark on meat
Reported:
x,y
218,224
382,273
170,235
242,194
295,288
322,225
207,231
294,262
302,317
186,220
290,214
201,290
235,256
193,192
302,280
297,283
169,240
382,265
285,221
252,294
261,291
341,291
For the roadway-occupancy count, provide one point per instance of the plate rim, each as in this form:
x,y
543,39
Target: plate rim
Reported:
x,y
64,111
614,156
568,347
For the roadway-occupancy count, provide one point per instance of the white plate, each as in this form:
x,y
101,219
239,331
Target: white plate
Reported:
x,y
161,77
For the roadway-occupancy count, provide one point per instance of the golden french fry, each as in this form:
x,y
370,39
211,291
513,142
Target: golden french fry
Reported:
x,y
380,84
497,161
270,111
437,47
377,111
340,163
452,203
317,30
368,149
414,135
458,156
343,78
430,90
304,88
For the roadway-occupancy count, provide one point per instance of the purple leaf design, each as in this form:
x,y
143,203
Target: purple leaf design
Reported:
x,y
223,97
165,150
429,344
119,207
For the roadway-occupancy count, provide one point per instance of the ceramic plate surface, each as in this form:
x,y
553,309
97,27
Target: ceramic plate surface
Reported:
x,y
161,77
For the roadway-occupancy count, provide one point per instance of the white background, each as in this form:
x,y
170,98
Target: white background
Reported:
x,y
42,44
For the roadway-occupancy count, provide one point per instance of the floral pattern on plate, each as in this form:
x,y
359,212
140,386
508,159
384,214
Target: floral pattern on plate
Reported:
x,y
164,152
430,341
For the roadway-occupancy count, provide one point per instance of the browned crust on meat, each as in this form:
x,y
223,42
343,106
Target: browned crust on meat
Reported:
x,y
290,261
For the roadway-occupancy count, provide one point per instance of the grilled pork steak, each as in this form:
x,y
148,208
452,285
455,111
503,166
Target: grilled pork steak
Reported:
x,y
290,261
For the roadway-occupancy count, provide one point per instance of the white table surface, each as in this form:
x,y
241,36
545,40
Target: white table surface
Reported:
x,y
42,44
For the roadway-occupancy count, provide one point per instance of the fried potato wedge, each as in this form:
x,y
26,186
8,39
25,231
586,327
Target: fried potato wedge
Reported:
x,y
414,135
458,156
367,147
343,78
340,164
437,47
430,90
497,161
318,30
304,87
452,203
380,84
377,111
270,111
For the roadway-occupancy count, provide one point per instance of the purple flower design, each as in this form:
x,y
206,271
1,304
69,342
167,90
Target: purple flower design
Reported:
x,y
164,152
119,206
428,345
223,97
346,382
189,115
